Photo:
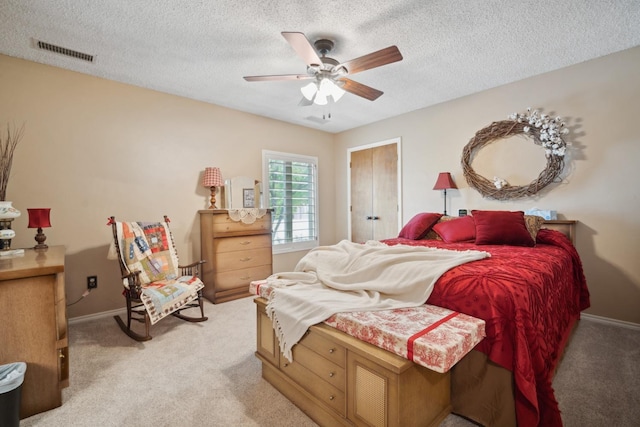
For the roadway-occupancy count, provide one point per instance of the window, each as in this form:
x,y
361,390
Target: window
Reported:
x,y
292,184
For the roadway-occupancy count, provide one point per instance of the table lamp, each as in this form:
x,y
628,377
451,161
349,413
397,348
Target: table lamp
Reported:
x,y
39,218
212,178
444,182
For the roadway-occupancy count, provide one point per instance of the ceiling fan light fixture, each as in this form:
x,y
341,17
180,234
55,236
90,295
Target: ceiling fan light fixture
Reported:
x,y
336,91
309,90
320,99
328,87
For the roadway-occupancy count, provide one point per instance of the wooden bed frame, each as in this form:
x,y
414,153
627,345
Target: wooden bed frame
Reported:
x,y
337,379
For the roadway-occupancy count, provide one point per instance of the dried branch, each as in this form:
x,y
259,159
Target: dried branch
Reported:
x,y
7,148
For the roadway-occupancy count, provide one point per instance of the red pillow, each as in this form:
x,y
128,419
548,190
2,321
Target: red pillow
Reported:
x,y
501,228
457,230
419,225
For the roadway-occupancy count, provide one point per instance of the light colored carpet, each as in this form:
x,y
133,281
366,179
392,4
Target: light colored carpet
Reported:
x,y
206,374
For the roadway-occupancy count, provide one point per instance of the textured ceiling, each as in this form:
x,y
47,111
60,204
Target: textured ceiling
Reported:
x,y
202,49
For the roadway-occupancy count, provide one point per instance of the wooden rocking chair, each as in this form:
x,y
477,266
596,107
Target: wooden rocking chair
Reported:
x,y
155,285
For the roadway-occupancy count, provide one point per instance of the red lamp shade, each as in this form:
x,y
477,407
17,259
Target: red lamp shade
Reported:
x,y
444,181
212,178
39,218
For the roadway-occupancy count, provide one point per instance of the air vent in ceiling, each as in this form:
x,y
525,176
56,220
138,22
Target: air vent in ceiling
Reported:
x,y
320,120
64,51
317,120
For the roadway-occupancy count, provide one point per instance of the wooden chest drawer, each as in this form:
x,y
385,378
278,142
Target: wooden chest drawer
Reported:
x,y
240,278
242,243
323,368
325,348
240,260
323,391
223,224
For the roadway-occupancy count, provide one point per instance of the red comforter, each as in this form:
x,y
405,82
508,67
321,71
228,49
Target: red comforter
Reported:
x,y
529,298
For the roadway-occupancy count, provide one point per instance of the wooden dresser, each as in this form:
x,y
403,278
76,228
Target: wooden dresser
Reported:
x,y
236,253
33,325
338,380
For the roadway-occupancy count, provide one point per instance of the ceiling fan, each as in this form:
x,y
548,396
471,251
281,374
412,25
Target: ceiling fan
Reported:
x,y
328,75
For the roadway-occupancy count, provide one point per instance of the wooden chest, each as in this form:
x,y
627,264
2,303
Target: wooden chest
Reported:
x,y
338,380
236,253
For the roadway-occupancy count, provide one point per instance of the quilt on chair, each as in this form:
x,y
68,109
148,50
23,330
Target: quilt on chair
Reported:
x,y
148,247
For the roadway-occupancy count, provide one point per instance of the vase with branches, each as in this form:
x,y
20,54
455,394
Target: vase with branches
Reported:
x,y
8,146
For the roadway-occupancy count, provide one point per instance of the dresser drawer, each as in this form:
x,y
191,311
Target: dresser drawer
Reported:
x,y
240,260
325,348
323,391
223,224
242,243
238,278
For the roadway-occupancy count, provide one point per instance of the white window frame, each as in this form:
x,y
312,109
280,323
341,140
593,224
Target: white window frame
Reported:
x,y
291,246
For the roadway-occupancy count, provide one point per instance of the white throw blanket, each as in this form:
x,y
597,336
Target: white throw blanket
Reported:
x,y
355,277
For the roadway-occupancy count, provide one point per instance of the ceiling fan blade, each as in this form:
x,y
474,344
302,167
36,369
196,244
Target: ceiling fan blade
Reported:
x,y
375,59
359,89
278,77
304,102
303,48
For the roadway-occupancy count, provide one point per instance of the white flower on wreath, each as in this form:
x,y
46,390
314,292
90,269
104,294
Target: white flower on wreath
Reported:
x,y
546,131
499,182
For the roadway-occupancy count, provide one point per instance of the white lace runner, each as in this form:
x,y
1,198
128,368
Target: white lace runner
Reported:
x,y
246,215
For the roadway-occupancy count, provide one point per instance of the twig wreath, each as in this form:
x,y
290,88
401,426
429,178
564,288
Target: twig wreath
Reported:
x,y
545,131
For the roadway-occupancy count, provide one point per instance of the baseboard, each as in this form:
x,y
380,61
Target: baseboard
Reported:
x,y
100,315
609,321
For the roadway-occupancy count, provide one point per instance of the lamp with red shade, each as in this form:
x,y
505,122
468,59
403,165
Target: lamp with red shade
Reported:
x,y
444,182
39,218
211,179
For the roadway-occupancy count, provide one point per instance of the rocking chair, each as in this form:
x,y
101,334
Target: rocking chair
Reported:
x,y
155,285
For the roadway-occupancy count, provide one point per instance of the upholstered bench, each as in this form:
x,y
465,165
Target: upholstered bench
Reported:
x,y
370,367
431,336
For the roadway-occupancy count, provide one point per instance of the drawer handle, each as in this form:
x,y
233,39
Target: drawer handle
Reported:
x,y
332,397
286,364
245,259
245,278
331,374
331,350
246,242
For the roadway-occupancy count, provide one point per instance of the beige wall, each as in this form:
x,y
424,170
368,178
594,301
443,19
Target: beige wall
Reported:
x,y
600,100
94,148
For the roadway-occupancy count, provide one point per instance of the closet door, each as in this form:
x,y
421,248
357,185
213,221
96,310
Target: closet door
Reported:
x,y
374,193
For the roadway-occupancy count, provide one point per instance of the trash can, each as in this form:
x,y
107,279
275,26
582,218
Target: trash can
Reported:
x,y
11,378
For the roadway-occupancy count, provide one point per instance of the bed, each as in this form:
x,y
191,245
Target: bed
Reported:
x,y
530,299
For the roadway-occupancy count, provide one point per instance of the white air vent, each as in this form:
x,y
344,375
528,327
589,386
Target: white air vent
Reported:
x,y
320,120
63,51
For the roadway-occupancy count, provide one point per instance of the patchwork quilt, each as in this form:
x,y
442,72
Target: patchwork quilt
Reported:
x,y
148,247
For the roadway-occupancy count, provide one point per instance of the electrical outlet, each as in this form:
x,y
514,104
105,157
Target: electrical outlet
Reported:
x,y
92,282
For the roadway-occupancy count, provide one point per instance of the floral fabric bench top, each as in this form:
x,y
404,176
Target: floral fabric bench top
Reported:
x,y
431,336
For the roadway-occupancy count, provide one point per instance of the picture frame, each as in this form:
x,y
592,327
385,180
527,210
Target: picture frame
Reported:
x,y
248,198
